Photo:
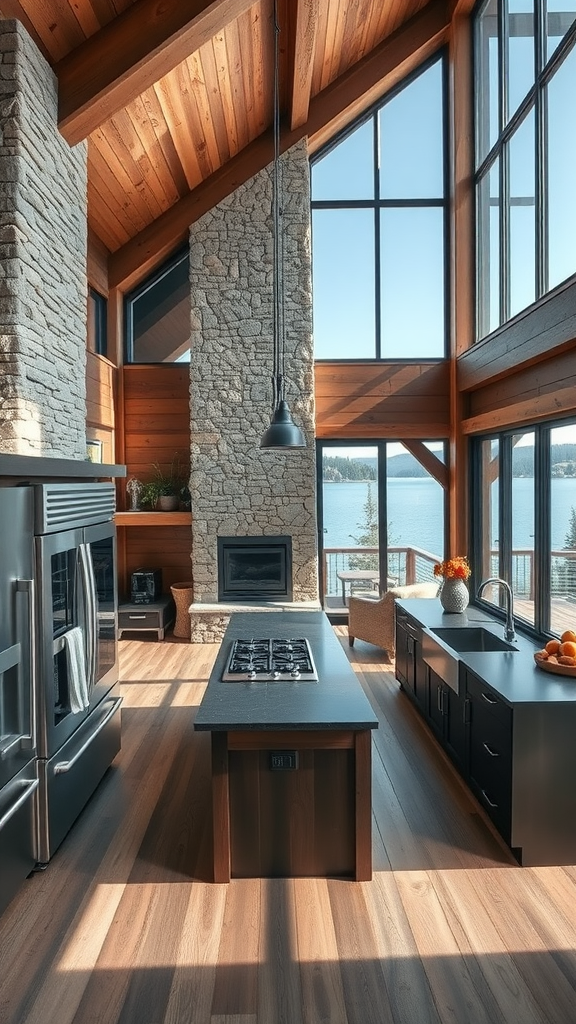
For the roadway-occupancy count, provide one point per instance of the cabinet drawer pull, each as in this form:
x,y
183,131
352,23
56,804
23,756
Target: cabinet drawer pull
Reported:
x,y
136,617
493,753
489,699
487,799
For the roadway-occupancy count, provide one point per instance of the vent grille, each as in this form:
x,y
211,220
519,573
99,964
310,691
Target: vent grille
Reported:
x,y
65,506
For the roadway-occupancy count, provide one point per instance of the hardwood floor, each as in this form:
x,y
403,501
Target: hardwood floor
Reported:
x,y
124,926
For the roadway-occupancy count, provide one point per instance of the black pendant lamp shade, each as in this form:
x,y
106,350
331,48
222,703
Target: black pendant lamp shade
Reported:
x,y
282,432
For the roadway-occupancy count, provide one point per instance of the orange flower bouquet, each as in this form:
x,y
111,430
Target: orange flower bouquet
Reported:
x,y
453,568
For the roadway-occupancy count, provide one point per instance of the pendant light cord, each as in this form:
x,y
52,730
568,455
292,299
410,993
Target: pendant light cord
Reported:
x,y
278,249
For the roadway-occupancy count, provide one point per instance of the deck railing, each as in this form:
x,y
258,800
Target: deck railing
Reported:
x,y
405,565
414,565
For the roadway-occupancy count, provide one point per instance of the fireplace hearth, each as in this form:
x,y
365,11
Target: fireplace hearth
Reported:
x,y
254,568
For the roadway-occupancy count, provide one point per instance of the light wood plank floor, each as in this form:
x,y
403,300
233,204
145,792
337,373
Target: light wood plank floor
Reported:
x,y
124,926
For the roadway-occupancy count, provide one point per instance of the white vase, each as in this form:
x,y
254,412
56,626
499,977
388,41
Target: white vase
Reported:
x,y
454,596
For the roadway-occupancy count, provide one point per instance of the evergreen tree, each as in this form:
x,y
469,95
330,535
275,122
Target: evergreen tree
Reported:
x,y
368,538
570,540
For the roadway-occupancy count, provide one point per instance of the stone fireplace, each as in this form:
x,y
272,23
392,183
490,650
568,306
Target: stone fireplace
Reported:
x,y
254,569
237,489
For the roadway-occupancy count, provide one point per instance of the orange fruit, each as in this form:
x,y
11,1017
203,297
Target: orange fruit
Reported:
x,y
568,649
553,646
541,655
569,634
565,660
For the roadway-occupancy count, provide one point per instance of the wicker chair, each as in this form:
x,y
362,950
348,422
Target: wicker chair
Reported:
x,y
373,620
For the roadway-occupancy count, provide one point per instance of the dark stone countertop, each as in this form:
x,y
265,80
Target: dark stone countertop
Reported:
x,y
37,469
336,701
513,675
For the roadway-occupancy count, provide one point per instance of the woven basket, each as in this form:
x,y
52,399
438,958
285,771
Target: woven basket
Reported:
x,y
182,594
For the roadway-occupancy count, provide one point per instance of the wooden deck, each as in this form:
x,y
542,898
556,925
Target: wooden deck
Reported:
x,y
125,927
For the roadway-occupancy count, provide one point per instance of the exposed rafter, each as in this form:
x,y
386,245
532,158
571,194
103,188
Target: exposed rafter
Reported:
x,y
304,47
331,110
130,54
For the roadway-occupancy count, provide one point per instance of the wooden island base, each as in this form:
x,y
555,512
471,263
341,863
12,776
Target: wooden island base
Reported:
x,y
314,820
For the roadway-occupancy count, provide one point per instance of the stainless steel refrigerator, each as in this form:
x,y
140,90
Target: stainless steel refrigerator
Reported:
x,y
18,764
78,732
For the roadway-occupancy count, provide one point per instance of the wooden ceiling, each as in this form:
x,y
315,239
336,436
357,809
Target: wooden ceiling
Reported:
x,y
175,96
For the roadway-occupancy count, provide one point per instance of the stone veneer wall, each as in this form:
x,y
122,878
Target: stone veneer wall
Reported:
x,y
43,289
237,489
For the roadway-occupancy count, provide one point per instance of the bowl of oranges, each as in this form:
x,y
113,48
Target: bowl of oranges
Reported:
x,y
559,656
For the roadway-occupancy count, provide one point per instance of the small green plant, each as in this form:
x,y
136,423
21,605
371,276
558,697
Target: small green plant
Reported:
x,y
172,482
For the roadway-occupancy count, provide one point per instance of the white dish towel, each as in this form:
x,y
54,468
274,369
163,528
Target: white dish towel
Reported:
x,y
77,681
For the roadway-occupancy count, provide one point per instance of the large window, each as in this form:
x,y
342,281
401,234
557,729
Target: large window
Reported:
x,y
525,522
382,515
157,315
379,232
525,58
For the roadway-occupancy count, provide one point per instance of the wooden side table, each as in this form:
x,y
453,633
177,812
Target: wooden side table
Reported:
x,y
156,616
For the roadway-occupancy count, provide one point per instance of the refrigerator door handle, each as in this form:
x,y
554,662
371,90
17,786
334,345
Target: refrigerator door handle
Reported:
x,y
27,790
29,587
65,766
90,614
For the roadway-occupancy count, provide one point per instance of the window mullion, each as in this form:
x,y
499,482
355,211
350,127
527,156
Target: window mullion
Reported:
x,y
542,474
377,240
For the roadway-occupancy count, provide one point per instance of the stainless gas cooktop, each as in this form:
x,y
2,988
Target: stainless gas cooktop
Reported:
x,y
273,659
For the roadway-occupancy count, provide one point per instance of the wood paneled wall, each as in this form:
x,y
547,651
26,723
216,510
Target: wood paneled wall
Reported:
x,y
156,417
101,388
382,400
156,427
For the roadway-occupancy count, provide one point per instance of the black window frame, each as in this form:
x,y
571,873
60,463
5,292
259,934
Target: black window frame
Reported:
x,y
534,100
376,204
542,517
100,322
131,297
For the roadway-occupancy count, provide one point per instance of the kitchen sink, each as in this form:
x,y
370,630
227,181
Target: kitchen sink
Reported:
x,y
469,639
442,647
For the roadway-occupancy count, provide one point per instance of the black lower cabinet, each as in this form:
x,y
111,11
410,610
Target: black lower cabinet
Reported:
x,y
490,753
518,759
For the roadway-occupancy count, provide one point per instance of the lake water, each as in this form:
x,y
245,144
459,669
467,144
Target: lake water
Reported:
x,y
415,512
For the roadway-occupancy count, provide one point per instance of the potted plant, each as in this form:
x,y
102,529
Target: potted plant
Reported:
x,y
167,489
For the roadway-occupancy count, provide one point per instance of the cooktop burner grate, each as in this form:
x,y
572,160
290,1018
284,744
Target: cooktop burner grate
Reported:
x,y
270,659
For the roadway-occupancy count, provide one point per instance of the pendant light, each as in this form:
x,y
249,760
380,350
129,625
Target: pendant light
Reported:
x,y
282,432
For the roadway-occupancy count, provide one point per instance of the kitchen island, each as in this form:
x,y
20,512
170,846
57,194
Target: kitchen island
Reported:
x,y
291,760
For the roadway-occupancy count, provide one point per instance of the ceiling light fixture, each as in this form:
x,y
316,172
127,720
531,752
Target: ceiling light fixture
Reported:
x,y
282,432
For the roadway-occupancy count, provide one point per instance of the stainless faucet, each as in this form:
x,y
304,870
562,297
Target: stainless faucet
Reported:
x,y
509,632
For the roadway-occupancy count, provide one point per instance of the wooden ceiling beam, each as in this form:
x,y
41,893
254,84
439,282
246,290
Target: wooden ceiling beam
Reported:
x,y
403,51
131,53
304,48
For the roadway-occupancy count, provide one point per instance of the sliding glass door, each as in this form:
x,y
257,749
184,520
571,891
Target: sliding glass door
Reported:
x,y
381,516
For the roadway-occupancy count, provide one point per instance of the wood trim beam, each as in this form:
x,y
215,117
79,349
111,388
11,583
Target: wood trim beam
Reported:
x,y
426,458
131,53
542,331
555,404
304,48
398,54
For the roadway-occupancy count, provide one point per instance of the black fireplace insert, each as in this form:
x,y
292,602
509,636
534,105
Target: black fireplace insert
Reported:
x,y
254,568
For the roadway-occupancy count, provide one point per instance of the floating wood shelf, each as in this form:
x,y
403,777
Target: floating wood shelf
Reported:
x,y
153,518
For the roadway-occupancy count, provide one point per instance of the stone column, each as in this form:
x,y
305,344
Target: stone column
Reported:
x,y
43,242
237,489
